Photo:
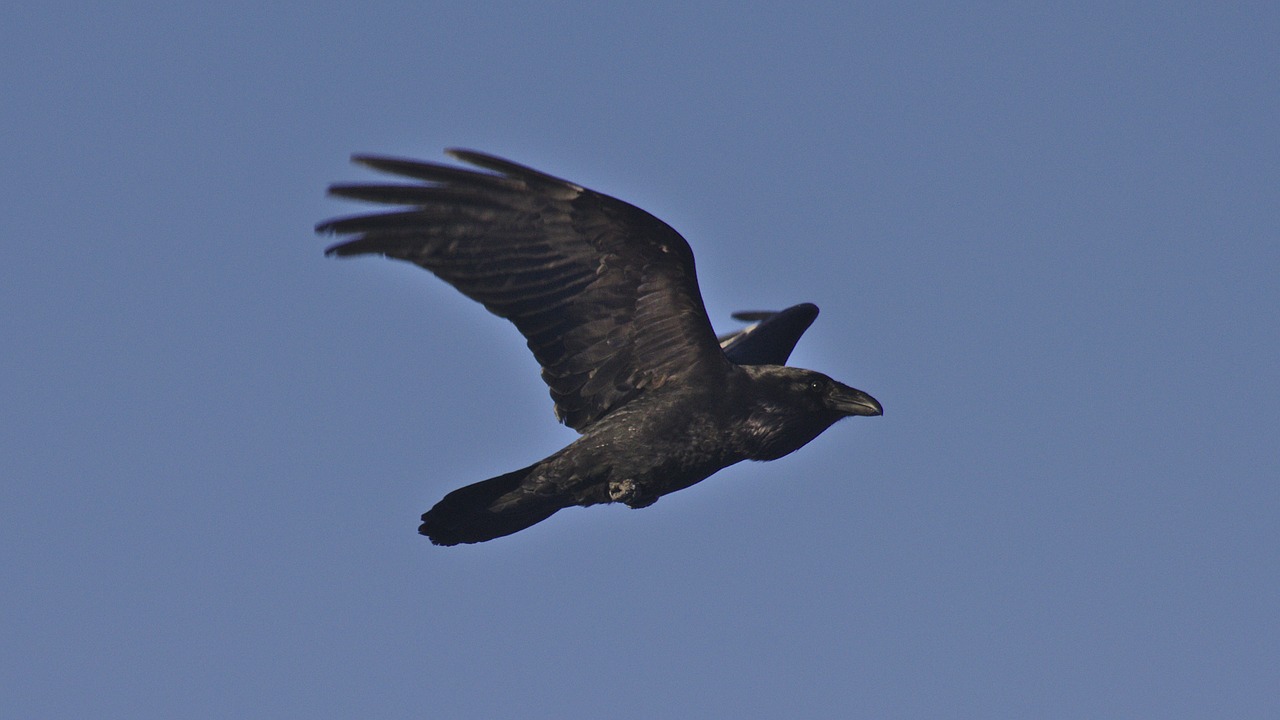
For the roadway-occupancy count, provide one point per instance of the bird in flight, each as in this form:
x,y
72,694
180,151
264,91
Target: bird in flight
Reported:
x,y
607,298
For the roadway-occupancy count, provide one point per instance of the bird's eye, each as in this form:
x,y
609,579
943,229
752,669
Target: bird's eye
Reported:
x,y
815,385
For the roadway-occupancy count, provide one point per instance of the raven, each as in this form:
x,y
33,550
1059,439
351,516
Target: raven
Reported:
x,y
607,298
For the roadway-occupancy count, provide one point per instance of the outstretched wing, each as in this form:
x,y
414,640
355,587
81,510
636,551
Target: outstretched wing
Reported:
x,y
604,292
772,337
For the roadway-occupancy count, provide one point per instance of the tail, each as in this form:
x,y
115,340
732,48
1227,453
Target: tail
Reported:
x,y
468,515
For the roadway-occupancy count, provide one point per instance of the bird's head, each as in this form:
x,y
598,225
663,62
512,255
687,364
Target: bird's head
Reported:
x,y
792,406
813,392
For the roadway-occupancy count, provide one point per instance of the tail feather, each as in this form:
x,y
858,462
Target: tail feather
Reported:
x,y
467,515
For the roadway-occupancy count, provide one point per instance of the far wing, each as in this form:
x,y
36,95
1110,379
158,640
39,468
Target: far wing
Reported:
x,y
772,337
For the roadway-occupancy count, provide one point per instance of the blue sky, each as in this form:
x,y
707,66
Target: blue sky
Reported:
x,y
1047,239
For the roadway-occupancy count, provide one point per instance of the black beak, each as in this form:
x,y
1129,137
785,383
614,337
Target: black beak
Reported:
x,y
851,401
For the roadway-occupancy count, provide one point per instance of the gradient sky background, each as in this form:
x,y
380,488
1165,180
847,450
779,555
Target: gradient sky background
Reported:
x,y
1047,239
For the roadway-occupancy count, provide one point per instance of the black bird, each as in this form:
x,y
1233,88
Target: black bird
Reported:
x,y
607,298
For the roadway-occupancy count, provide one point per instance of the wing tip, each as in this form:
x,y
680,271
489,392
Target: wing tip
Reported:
x,y
342,249
804,309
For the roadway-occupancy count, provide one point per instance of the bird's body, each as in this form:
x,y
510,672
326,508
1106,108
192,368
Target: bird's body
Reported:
x,y
653,446
607,298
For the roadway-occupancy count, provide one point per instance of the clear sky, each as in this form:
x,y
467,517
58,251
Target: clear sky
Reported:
x,y
1047,239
